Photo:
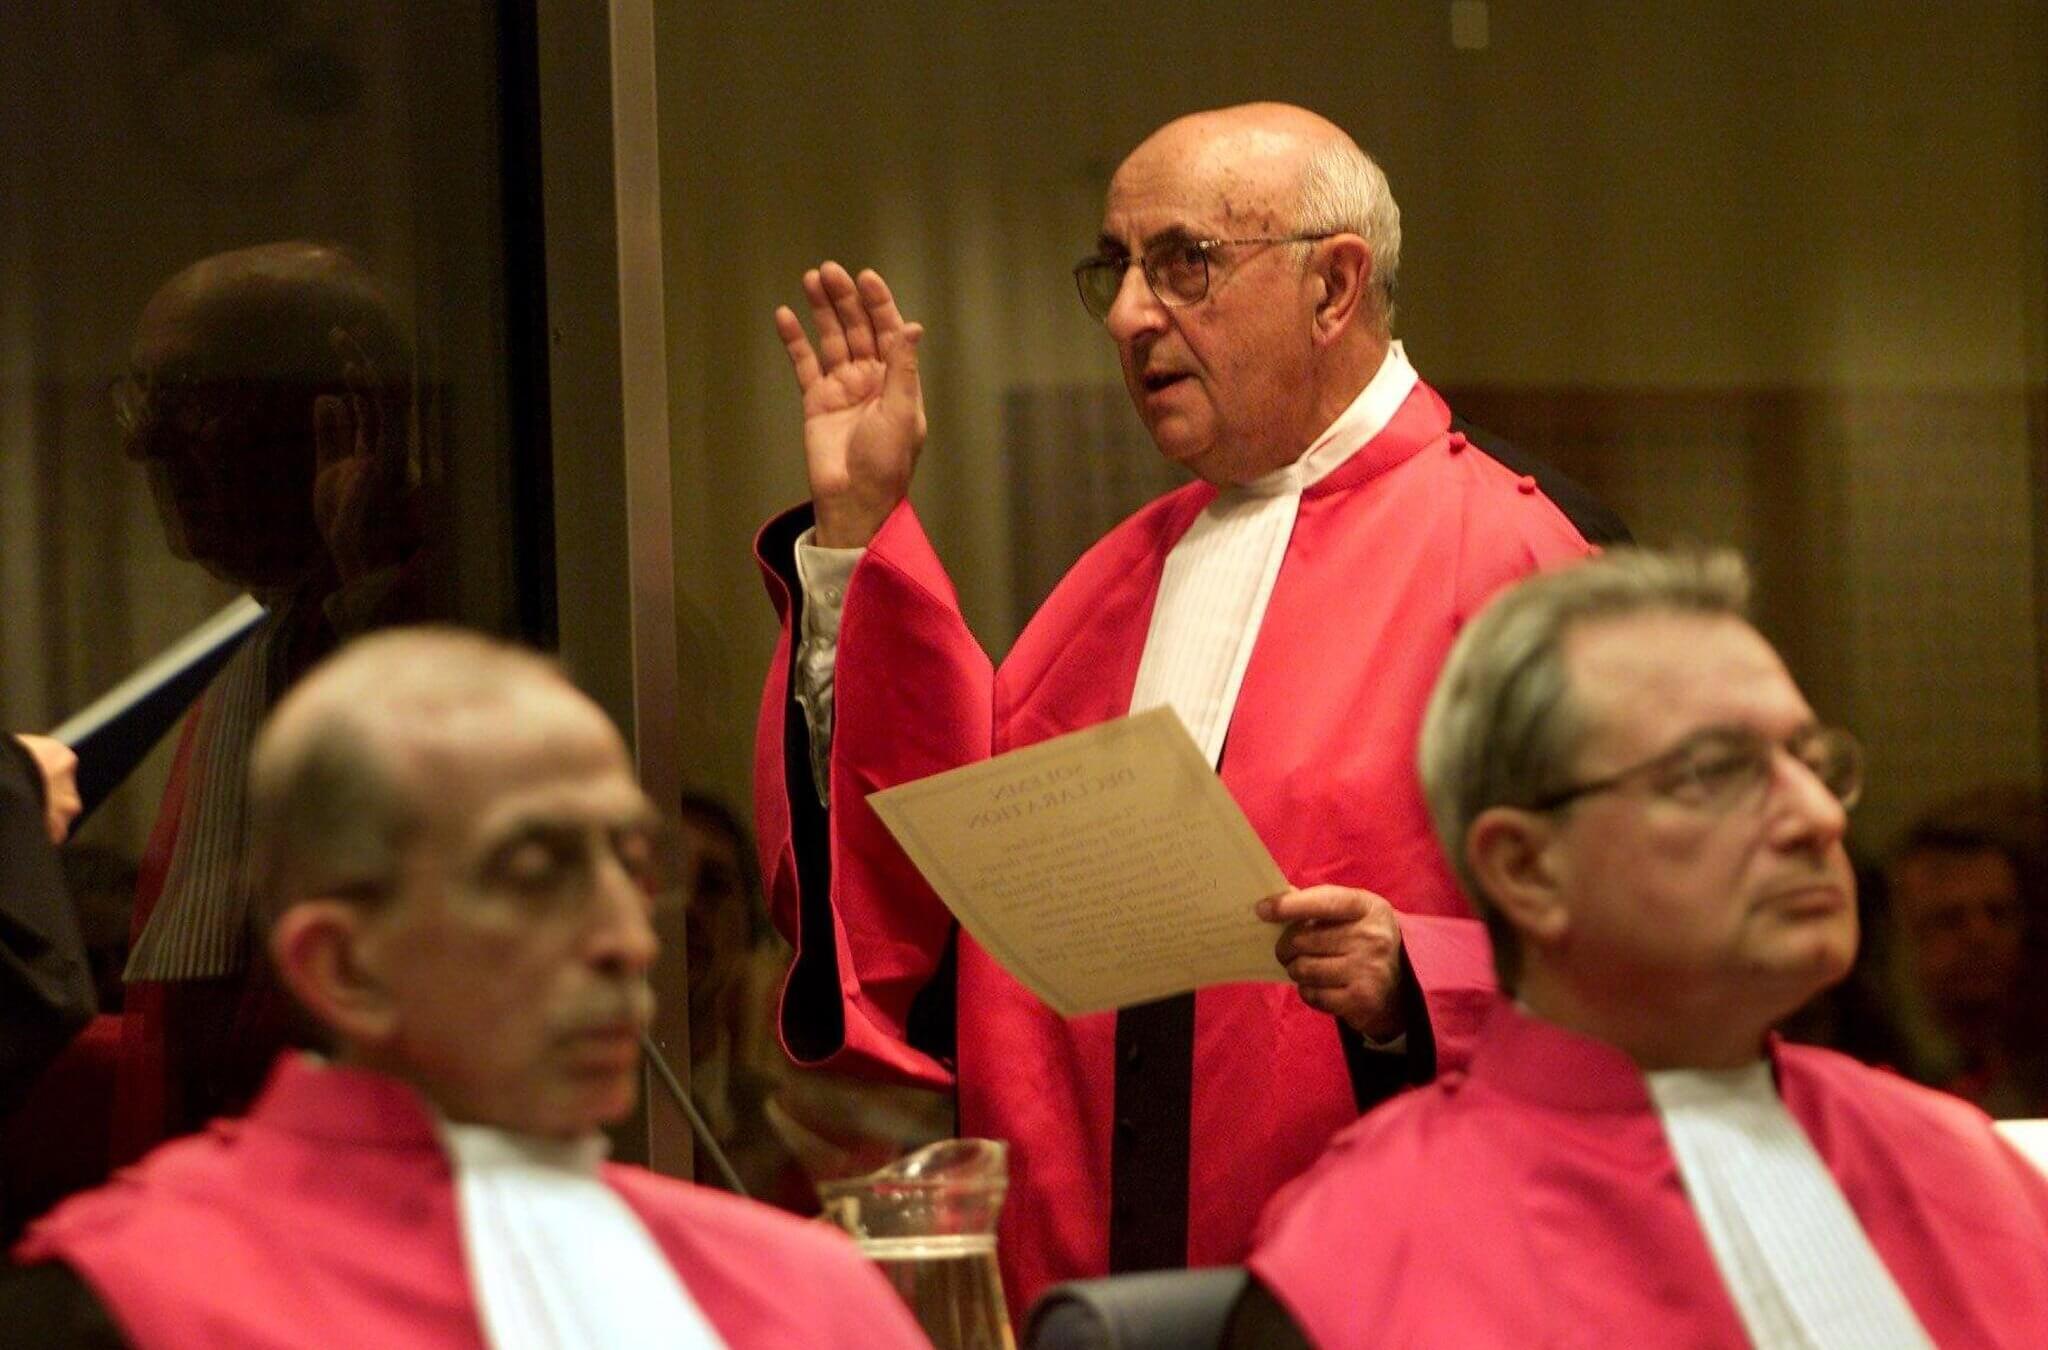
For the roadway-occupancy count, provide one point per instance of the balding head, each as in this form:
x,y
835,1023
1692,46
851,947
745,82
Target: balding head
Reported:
x,y
1277,168
462,872
271,312
227,362
347,765
1290,239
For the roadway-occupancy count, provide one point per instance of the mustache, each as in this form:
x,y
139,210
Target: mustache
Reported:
x,y
628,1002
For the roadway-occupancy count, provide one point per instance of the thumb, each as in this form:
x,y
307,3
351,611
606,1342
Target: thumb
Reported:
x,y
899,361
333,432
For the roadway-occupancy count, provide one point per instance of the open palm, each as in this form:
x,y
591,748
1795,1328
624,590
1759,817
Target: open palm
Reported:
x,y
864,420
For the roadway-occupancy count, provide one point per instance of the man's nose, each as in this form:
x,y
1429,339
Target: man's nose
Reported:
x,y
1135,309
623,937
1808,812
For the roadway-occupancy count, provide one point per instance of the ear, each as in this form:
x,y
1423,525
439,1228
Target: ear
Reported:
x,y
316,946
1515,855
1342,268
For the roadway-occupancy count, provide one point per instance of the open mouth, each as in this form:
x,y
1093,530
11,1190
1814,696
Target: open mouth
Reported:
x,y
1155,381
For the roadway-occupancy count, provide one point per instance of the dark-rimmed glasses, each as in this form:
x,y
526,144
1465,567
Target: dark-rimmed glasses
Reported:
x,y
1721,767
1177,270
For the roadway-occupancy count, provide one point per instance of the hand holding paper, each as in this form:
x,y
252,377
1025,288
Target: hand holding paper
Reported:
x,y
1342,948
1102,868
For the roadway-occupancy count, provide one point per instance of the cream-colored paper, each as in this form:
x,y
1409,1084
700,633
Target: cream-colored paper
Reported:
x,y
1102,868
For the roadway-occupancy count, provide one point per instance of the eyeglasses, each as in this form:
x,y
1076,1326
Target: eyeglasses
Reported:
x,y
554,865
1722,767
183,402
1177,270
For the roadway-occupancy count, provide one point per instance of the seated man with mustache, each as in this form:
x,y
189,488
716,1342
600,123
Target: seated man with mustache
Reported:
x,y
460,873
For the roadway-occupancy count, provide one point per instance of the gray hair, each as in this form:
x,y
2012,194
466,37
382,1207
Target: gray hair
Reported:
x,y
1344,192
1502,728
332,808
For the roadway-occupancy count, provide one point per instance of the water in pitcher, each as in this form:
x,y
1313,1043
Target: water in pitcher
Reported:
x,y
929,1222
951,1284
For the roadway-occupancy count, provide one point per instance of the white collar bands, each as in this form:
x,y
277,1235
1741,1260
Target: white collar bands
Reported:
x,y
556,1259
1219,577
1795,1258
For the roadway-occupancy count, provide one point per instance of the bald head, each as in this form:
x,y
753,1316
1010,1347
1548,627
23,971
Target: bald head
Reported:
x,y
463,875
1275,168
272,311
346,768
229,361
1275,241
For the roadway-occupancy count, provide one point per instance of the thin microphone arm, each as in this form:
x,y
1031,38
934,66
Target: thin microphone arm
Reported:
x,y
697,1123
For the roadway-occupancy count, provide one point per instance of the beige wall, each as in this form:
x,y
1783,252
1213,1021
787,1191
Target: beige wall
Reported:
x,y
1842,199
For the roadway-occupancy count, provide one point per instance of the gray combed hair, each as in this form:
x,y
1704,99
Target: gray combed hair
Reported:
x,y
1344,192
1502,729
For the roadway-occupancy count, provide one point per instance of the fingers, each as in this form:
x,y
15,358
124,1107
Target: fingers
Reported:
x,y
59,767
855,319
1328,939
801,358
333,433
825,319
878,304
1322,972
899,374
360,377
851,310
1323,904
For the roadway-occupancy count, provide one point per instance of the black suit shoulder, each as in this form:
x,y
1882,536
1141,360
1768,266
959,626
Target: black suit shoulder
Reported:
x,y
1594,519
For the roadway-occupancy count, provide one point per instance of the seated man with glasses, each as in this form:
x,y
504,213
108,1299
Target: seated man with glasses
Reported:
x,y
460,875
1293,606
1650,819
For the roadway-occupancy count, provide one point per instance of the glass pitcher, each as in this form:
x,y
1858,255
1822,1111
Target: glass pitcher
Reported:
x,y
929,1221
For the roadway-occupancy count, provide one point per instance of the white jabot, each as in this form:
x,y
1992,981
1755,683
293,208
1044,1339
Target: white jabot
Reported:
x,y
200,926
1219,576
556,1258
1797,1261
823,573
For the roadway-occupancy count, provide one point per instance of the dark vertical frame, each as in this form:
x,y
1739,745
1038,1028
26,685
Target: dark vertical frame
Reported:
x,y
529,444
607,414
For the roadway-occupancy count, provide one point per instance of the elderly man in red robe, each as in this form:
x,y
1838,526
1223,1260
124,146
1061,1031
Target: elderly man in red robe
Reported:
x,y
1650,818
1292,605
461,873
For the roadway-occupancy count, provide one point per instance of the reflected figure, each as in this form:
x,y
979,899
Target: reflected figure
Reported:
x,y
732,958
102,885
271,401
1967,888
783,1129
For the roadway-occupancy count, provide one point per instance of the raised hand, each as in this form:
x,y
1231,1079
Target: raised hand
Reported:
x,y
1342,949
863,408
359,487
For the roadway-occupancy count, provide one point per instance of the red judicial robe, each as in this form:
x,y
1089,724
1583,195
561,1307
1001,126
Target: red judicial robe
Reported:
x,y
1534,1201
1389,555
327,1217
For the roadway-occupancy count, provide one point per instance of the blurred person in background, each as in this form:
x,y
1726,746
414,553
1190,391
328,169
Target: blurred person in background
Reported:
x,y
271,400
784,1129
1967,883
